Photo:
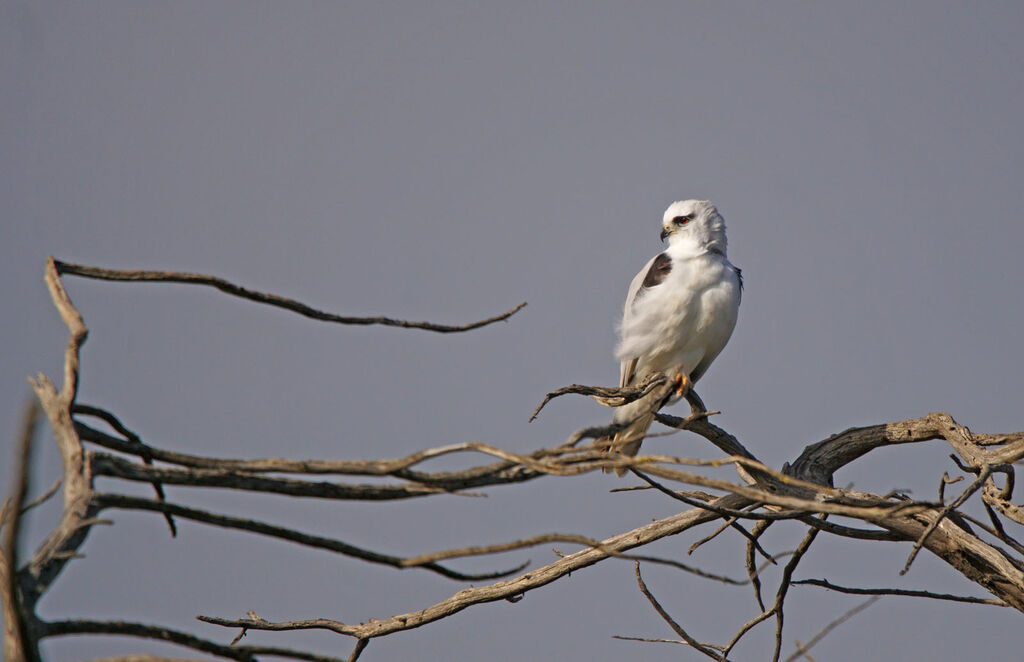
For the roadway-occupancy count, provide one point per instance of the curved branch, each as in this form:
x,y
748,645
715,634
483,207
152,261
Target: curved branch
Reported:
x,y
504,590
678,629
243,653
124,502
823,583
269,299
606,395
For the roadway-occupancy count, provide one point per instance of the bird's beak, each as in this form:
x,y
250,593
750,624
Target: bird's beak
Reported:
x,y
664,233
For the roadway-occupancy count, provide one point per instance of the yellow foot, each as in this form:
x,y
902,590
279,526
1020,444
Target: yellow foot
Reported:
x,y
682,383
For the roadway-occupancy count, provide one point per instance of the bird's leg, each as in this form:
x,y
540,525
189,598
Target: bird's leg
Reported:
x,y
682,383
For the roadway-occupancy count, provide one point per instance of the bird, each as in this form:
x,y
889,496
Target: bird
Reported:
x,y
680,312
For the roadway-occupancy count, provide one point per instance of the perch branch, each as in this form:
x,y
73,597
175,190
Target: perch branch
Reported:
x,y
606,395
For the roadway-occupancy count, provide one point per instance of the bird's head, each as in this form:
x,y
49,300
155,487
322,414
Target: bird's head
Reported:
x,y
694,223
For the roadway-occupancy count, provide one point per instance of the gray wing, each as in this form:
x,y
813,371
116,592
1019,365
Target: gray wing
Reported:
x,y
652,274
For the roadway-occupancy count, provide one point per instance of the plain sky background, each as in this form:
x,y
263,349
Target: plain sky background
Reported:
x,y
446,161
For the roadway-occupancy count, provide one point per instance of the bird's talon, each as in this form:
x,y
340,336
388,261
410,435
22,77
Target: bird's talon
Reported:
x,y
682,383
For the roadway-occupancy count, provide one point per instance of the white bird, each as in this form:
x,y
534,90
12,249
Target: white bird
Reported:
x,y
680,312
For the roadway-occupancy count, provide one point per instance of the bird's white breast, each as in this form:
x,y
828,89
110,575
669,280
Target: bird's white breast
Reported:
x,y
685,320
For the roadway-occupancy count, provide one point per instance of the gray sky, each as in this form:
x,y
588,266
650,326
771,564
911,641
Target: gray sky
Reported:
x,y
446,163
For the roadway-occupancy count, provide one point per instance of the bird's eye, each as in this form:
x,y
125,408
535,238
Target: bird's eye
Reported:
x,y
682,220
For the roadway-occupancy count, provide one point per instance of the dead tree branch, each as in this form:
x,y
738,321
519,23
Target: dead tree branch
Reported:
x,y
803,491
706,649
19,644
269,299
900,591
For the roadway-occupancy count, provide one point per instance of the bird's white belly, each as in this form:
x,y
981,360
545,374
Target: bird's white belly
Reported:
x,y
685,322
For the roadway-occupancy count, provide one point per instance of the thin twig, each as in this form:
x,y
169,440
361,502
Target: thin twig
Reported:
x,y
996,529
678,629
269,299
824,583
780,596
783,590
42,498
946,480
711,536
803,648
606,395
649,640
146,631
562,537
121,501
983,475
132,438
752,571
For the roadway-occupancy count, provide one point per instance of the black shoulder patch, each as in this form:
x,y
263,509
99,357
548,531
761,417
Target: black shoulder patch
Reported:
x,y
660,268
739,276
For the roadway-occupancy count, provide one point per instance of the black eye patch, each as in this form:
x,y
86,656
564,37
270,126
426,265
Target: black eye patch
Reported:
x,y
682,220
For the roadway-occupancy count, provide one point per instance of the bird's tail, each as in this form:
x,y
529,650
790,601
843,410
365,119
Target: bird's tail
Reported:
x,y
627,441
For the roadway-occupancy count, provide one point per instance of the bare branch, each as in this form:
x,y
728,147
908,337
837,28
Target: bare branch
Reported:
x,y
803,648
62,544
649,640
103,500
996,529
971,489
19,644
143,630
103,464
44,497
780,596
133,439
358,650
269,299
678,629
502,590
606,395
803,490
824,583
783,590
849,531
562,537
752,570
143,658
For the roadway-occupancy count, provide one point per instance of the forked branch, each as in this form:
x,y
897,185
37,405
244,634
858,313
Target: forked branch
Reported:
x,y
803,490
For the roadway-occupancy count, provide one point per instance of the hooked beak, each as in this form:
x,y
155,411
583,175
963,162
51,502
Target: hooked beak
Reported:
x,y
664,233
